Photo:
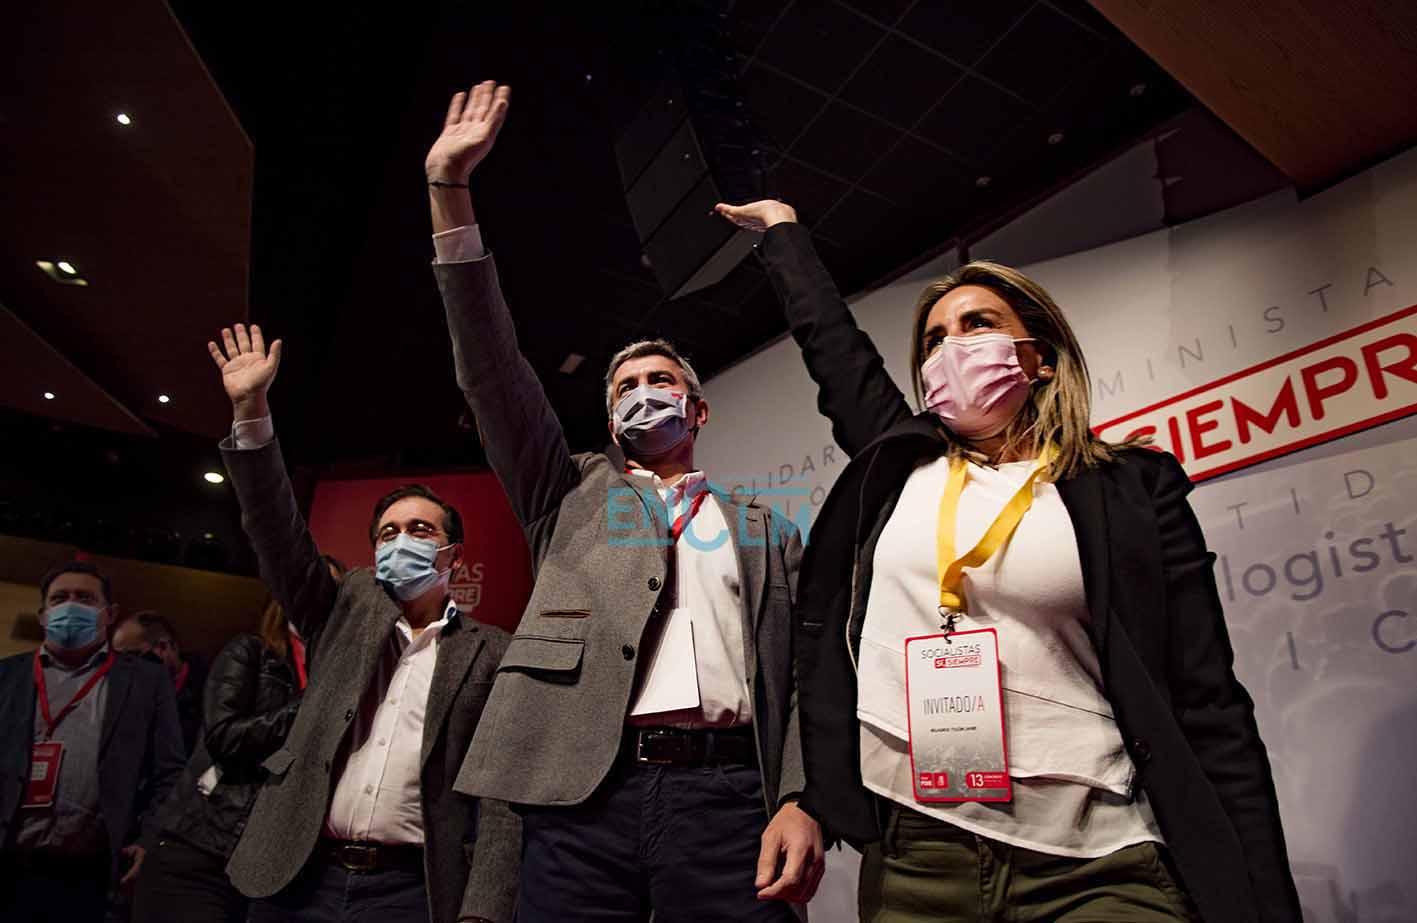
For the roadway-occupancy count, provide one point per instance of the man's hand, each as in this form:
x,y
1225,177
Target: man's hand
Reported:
x,y
469,131
794,840
135,854
247,370
759,215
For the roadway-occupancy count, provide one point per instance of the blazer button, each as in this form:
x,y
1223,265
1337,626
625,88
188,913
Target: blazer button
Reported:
x,y
654,583
1141,751
629,651
349,715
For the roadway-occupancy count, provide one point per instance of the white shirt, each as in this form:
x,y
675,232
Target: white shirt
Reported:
x,y
378,795
1072,776
705,580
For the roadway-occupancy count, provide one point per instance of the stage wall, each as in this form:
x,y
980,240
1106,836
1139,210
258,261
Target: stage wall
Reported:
x,y
1315,545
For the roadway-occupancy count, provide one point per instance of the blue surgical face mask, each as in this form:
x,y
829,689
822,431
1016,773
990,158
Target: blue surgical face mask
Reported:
x,y
650,421
71,626
408,566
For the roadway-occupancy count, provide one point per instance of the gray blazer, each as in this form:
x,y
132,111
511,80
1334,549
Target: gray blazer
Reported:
x,y
600,549
140,752
472,849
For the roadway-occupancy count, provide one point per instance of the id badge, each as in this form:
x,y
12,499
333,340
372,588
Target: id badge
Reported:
x,y
955,711
44,774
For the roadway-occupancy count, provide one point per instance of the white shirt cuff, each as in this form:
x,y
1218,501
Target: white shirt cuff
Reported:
x,y
252,434
460,245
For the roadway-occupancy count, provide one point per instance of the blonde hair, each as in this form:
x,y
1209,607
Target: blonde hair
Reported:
x,y
1059,409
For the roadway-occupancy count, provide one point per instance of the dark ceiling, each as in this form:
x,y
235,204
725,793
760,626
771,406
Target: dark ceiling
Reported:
x,y
877,120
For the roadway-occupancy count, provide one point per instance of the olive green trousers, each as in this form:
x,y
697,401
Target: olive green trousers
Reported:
x,y
928,870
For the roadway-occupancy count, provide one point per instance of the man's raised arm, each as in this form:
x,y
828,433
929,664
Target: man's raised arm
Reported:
x,y
290,562
523,438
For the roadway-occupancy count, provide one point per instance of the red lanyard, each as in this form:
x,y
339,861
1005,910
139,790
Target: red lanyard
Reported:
x,y
53,723
682,523
297,653
181,679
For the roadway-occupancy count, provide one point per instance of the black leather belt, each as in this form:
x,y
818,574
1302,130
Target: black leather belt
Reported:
x,y
362,856
673,747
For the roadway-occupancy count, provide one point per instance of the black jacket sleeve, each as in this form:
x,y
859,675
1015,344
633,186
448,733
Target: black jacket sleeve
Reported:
x,y
1215,712
855,392
236,731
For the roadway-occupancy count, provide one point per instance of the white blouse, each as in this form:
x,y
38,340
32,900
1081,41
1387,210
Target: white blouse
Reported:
x,y
1073,780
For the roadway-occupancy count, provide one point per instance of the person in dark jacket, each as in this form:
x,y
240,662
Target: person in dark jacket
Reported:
x,y
1117,771
153,636
252,695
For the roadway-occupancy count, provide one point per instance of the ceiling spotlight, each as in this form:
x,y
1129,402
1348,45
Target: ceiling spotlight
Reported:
x,y
1137,89
214,477
983,181
1055,138
164,399
124,118
49,395
61,271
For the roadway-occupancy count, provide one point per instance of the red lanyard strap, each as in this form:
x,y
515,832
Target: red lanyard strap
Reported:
x,y
297,653
682,522
52,723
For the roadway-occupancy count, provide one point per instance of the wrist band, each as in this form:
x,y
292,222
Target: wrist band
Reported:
x,y
442,185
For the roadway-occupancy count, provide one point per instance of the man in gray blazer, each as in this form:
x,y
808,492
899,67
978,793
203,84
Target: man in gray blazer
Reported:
x,y
644,717
89,744
358,819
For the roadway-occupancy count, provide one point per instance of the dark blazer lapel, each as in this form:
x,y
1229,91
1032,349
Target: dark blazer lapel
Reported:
x,y
457,649
1083,496
17,695
120,681
747,529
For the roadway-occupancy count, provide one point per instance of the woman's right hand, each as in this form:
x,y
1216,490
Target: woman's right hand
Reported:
x,y
759,215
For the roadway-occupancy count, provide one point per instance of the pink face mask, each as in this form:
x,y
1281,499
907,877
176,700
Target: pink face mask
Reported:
x,y
975,384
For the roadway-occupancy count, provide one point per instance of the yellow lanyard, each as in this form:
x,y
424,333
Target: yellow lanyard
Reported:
x,y
951,568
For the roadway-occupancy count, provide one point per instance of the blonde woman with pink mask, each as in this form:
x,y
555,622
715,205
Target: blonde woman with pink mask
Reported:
x,y
1015,682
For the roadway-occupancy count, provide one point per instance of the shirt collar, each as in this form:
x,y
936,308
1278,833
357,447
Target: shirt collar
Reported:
x,y
47,660
450,612
688,485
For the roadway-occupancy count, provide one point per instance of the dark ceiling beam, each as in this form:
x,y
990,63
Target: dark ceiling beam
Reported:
x,y
1323,88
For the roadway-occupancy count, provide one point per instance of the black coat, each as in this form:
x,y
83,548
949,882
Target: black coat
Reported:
x,y
1156,619
250,700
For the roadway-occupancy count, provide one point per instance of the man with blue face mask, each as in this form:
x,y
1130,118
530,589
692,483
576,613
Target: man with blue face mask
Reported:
x,y
644,719
89,744
358,819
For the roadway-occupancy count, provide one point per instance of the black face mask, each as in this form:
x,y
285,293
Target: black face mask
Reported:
x,y
151,657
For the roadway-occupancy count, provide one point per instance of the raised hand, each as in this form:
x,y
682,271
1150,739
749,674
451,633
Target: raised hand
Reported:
x,y
247,368
469,131
759,215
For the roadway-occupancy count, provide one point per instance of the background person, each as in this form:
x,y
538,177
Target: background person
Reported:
x,y
96,735
253,693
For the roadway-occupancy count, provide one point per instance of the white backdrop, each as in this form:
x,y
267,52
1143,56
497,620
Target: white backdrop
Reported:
x,y
1316,549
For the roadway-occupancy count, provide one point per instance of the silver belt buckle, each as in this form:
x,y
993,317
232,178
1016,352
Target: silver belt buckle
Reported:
x,y
640,757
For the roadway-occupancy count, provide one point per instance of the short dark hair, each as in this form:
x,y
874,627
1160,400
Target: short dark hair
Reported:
x,y
156,628
74,567
452,522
